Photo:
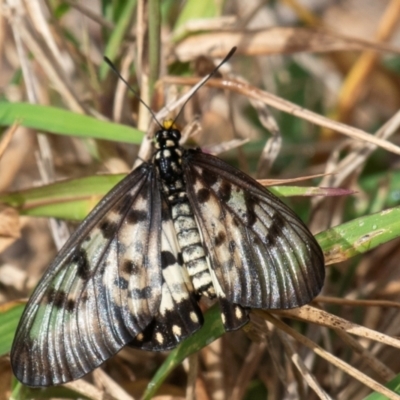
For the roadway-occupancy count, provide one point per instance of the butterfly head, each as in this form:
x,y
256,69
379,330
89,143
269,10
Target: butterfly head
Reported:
x,y
168,136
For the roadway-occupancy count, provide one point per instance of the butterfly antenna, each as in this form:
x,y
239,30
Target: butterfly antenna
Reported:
x,y
201,83
112,66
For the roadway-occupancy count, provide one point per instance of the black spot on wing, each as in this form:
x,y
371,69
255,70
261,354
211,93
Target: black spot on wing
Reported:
x,y
232,246
209,177
59,299
141,294
275,230
136,216
203,195
225,191
108,229
121,283
167,259
56,298
129,267
71,304
250,202
82,262
220,239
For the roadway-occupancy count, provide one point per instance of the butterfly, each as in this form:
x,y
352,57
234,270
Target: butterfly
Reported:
x,y
181,226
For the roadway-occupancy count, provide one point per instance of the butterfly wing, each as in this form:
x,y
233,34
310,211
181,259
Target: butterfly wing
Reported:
x,y
179,315
103,288
262,254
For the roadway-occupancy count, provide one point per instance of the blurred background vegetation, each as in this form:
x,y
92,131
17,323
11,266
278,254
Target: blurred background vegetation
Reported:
x,y
313,89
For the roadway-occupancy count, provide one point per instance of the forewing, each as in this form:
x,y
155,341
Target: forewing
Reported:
x,y
103,288
262,254
179,315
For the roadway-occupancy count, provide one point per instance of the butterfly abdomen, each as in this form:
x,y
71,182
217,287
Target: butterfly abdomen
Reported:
x,y
168,161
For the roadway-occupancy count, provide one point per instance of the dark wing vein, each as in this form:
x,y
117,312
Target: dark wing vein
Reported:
x,y
103,288
262,253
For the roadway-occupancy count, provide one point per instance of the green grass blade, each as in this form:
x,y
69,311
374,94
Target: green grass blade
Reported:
x,y
73,199
22,392
360,235
10,314
394,385
194,9
59,121
154,43
114,43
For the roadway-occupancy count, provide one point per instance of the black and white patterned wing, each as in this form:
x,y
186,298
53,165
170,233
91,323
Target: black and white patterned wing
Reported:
x,y
179,315
102,290
261,253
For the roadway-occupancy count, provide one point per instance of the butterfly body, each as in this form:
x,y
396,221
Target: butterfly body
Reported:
x,y
184,225
168,161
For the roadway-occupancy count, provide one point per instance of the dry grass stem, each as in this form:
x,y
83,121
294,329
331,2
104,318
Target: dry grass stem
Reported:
x,y
291,108
6,138
110,387
363,68
320,317
249,367
297,360
299,98
365,379
274,40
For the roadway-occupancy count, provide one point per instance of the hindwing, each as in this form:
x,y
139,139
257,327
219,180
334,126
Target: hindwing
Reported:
x,y
179,315
262,254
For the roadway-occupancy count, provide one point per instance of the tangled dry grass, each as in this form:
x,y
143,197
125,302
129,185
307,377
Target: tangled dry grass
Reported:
x,y
313,90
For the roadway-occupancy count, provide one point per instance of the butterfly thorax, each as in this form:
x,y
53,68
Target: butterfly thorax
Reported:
x,y
168,161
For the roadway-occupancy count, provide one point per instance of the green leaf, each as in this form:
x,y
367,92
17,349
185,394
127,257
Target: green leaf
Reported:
x,y
73,199
10,314
114,43
394,385
383,190
194,9
59,121
70,199
22,392
360,235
